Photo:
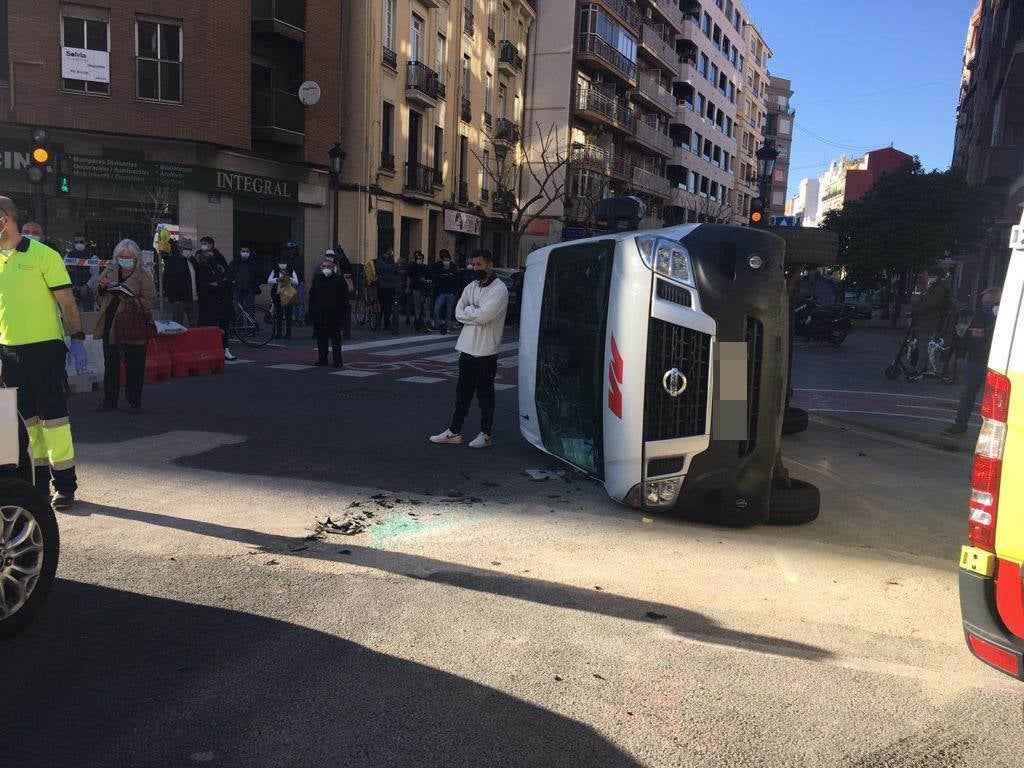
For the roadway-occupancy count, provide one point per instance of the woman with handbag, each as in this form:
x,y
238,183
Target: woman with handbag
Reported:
x,y
284,294
125,324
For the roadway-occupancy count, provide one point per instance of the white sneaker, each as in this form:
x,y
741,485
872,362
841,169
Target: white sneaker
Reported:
x,y
228,355
480,441
446,438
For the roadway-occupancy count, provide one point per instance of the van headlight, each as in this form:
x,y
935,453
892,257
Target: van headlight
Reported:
x,y
666,258
661,493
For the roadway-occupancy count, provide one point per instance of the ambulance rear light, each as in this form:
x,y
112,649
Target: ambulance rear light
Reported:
x,y
988,462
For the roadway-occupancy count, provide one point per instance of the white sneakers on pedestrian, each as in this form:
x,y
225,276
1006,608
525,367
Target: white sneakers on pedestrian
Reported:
x,y
228,355
480,441
446,438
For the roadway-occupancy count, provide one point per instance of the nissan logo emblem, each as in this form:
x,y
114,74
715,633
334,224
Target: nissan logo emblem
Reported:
x,y
674,382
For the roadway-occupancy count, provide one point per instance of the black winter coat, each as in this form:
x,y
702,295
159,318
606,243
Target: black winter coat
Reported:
x,y
328,301
178,279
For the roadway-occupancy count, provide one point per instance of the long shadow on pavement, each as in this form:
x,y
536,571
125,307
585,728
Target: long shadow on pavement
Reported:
x,y
686,623
112,678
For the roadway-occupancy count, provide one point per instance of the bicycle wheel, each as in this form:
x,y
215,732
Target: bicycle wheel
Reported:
x,y
254,327
361,310
373,314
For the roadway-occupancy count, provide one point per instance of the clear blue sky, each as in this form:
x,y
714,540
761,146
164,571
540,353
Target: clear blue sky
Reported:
x,y
866,74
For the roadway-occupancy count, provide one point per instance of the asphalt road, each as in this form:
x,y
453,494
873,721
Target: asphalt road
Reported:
x,y
483,618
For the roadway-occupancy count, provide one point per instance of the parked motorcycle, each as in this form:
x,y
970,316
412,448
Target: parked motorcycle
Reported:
x,y
828,324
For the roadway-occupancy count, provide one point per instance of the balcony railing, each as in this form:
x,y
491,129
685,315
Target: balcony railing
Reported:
x,y
278,110
649,134
593,100
654,38
589,156
652,89
487,119
506,131
466,112
463,192
422,78
503,202
596,46
282,17
419,178
673,13
627,11
438,179
387,161
467,16
490,35
508,54
650,182
389,57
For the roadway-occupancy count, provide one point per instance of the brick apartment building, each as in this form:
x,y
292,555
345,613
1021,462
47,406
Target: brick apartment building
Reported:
x,y
186,113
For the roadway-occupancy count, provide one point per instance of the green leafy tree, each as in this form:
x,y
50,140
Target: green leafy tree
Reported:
x,y
906,222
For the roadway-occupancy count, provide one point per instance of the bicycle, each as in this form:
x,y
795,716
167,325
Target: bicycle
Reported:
x,y
368,308
253,326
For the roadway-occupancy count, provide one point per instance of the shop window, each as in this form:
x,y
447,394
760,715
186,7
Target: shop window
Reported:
x,y
85,29
438,154
387,145
158,52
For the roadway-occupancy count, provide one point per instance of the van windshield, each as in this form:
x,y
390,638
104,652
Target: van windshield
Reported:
x,y
570,353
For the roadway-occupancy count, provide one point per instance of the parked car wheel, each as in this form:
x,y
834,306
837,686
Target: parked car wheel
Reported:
x,y
794,504
29,548
794,421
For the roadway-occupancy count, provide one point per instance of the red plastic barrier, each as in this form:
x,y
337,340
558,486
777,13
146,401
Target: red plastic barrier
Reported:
x,y
196,352
158,362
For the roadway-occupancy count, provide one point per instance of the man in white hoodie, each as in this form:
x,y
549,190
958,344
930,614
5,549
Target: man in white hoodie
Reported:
x,y
481,310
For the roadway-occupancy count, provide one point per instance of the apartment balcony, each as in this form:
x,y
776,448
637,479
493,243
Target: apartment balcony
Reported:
x,y
503,202
488,120
421,84
419,180
688,73
466,111
651,93
463,192
438,178
278,116
509,60
590,104
1002,165
673,14
626,11
651,183
280,18
590,158
389,58
649,137
467,27
596,51
491,37
387,162
506,132
653,43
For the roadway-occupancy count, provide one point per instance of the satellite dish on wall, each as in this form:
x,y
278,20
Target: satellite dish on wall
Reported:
x,y
309,93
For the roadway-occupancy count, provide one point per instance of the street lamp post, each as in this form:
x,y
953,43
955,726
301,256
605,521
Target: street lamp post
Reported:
x,y
766,157
337,156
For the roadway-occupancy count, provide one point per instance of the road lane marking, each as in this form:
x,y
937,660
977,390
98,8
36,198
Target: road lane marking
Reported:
x,y
449,344
421,379
454,357
238,361
881,394
290,367
787,571
877,413
501,387
509,362
355,373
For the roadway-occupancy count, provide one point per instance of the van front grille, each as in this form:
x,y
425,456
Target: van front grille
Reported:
x,y
671,346
754,336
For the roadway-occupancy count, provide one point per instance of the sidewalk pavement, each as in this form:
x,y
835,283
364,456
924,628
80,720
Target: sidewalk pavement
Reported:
x,y
846,385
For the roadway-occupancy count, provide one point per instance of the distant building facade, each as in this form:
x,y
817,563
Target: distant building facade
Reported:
x,y
804,204
778,127
847,180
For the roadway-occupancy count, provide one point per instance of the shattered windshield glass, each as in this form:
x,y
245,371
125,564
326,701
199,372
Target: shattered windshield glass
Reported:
x,y
570,353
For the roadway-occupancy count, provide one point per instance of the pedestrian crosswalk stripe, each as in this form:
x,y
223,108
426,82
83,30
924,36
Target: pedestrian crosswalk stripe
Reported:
x,y
416,350
238,361
421,379
388,342
454,357
501,387
509,362
289,367
353,372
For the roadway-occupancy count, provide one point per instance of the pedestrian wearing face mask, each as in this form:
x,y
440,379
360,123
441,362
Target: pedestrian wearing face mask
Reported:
x,y
215,290
297,264
446,283
416,281
283,293
930,313
81,274
481,310
975,343
179,283
244,277
328,308
127,297
387,278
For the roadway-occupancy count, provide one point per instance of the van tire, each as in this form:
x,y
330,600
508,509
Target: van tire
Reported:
x,y
794,505
794,421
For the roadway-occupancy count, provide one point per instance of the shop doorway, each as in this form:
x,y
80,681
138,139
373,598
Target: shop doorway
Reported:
x,y
410,237
265,234
432,237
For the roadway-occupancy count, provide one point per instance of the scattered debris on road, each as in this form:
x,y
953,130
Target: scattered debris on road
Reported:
x,y
545,474
646,519
273,562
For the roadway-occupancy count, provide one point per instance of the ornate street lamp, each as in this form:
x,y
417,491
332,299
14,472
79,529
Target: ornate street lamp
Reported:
x,y
766,157
337,158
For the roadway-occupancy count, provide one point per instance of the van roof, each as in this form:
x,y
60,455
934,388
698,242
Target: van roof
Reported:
x,y
673,233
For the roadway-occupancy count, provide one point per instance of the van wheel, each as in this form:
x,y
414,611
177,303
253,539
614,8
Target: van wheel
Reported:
x,y
29,548
796,504
794,421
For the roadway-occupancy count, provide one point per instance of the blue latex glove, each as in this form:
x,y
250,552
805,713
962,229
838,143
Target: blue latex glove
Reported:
x,y
78,356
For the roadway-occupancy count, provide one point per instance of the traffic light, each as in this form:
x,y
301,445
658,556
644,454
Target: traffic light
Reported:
x,y
757,212
40,155
64,184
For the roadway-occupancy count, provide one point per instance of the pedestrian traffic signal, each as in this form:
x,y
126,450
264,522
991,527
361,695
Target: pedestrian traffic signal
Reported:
x,y
757,212
64,185
40,155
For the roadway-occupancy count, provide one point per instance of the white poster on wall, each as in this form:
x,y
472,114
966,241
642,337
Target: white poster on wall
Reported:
x,y
83,64
458,221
